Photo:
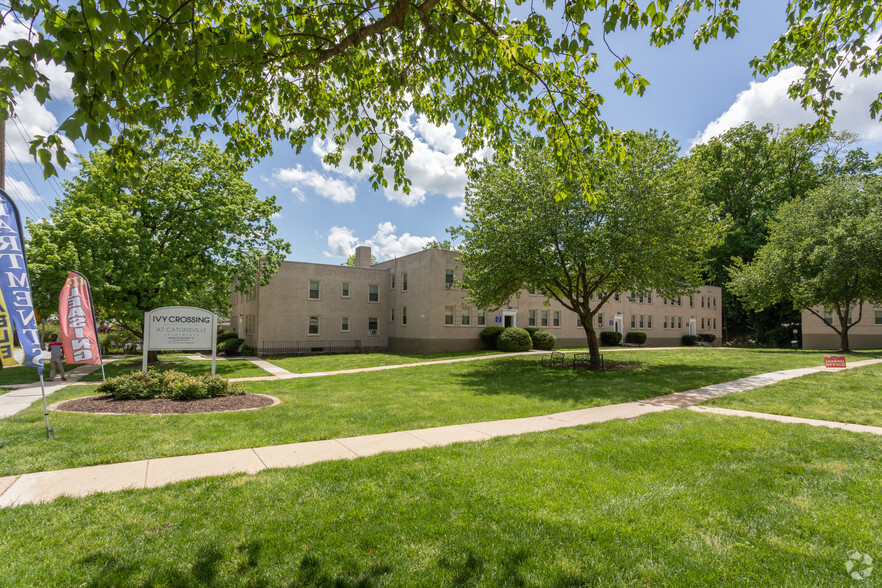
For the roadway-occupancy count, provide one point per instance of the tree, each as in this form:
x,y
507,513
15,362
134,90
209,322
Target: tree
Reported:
x,y
271,70
350,261
823,252
645,231
748,172
436,244
182,236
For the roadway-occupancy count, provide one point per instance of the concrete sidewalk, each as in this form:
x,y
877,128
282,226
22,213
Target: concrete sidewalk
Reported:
x,y
46,486
24,395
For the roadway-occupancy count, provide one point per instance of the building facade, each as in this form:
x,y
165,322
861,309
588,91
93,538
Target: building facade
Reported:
x,y
415,304
866,334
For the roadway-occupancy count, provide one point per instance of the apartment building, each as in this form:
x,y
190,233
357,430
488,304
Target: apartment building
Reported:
x,y
866,334
414,304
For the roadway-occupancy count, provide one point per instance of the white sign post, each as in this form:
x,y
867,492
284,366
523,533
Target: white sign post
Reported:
x,y
180,328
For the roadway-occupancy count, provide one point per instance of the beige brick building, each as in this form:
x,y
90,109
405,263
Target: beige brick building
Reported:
x,y
414,304
867,334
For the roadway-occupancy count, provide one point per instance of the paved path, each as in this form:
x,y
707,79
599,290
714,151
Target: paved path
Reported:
x,y
24,395
45,486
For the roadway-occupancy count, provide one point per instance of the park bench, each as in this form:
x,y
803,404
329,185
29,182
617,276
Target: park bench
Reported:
x,y
583,360
554,359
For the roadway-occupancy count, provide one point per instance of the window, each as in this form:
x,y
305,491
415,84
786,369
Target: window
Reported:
x,y
373,293
313,290
373,326
879,317
640,299
600,320
649,298
465,317
665,326
633,321
345,290
481,318
679,322
679,301
403,315
828,317
715,324
448,278
392,315
448,315
404,282
617,297
555,318
691,302
531,318
649,321
702,301
702,323
849,319
344,324
532,291
641,321
544,318
579,321
392,285
715,302
313,325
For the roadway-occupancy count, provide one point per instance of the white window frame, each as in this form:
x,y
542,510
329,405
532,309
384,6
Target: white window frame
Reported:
x,y
555,318
346,290
373,332
465,316
403,316
344,324
377,286
449,315
318,323
318,290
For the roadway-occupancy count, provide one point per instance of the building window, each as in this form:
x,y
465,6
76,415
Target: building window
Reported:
x,y
404,282
679,322
448,278
828,317
665,325
879,317
345,290
373,293
691,302
702,323
373,326
481,318
715,324
702,301
665,301
313,325
649,297
641,321
392,284
466,316
849,318
640,299
555,318
579,321
633,321
600,320
344,324
448,315
392,315
313,290
544,318
715,302
532,291
617,297
531,320
649,321
403,316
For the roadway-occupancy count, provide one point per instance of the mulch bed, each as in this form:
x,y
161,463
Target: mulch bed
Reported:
x,y
107,405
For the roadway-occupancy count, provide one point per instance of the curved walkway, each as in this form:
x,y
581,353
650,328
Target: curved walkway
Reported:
x,y
45,486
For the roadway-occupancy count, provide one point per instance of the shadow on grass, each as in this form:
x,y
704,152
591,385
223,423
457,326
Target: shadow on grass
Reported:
x,y
591,387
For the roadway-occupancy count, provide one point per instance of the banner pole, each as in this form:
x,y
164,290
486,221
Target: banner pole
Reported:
x,y
50,434
146,341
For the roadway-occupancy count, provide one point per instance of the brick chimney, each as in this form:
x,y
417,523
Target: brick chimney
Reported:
x,y
362,256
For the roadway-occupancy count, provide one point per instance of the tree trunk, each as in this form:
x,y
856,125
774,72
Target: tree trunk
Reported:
x,y
593,347
152,357
843,340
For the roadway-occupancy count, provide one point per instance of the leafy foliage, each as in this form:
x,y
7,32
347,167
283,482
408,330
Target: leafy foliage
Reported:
x,y
646,230
167,384
489,336
610,338
543,340
264,71
707,337
221,337
188,229
690,340
230,346
635,337
823,251
514,339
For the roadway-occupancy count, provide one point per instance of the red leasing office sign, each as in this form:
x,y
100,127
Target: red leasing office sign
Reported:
x,y
836,361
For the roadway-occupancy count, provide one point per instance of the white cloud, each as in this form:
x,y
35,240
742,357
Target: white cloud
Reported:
x,y
460,210
331,188
384,244
768,102
59,78
20,191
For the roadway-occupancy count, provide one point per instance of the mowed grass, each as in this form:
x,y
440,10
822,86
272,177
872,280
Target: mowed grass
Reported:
x,y
375,402
849,396
351,361
20,374
228,368
671,499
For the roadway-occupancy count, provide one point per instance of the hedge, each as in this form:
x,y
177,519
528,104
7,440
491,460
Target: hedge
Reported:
x,y
514,339
690,340
610,338
708,337
635,337
230,346
542,339
490,335
167,384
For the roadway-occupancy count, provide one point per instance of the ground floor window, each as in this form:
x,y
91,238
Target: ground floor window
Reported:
x,y
344,324
556,318
544,318
466,316
600,320
403,315
649,321
373,326
531,318
313,328
481,318
448,315
879,317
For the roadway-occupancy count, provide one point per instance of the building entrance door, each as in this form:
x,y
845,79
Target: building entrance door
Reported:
x,y
509,318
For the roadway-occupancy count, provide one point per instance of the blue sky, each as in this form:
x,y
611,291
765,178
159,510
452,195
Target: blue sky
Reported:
x,y
693,95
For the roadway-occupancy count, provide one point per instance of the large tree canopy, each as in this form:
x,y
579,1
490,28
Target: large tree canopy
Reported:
x,y
646,231
293,69
823,251
189,229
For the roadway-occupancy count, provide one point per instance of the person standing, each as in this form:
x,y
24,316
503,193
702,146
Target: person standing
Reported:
x,y
56,357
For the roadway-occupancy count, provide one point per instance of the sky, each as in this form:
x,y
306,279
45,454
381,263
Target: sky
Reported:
x,y
693,96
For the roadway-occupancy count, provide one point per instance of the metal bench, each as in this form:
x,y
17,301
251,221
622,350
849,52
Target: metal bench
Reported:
x,y
583,360
554,359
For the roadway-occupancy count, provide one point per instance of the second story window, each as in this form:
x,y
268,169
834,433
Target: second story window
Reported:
x,y
373,293
404,282
345,290
448,278
313,290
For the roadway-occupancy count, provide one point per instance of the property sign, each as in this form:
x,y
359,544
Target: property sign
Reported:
x,y
180,328
835,361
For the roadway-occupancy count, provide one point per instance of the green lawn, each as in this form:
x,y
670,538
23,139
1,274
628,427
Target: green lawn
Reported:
x,y
376,402
228,368
672,499
849,396
350,361
19,374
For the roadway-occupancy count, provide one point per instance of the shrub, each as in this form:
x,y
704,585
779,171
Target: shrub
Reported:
x,y
117,340
226,335
532,330
542,339
708,337
490,335
514,339
246,349
167,384
230,346
689,340
610,338
635,337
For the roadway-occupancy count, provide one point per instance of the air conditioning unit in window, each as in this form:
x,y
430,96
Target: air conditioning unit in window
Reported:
x,y
373,331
